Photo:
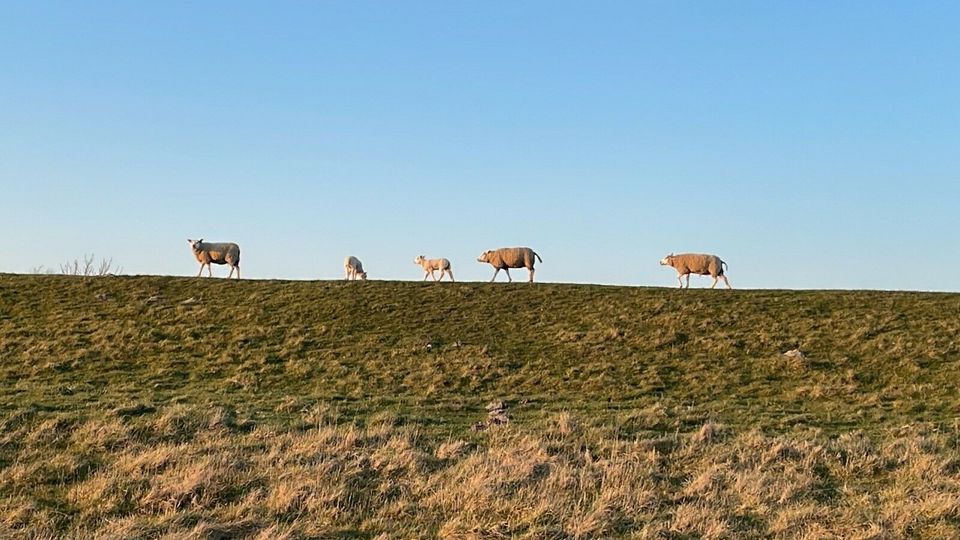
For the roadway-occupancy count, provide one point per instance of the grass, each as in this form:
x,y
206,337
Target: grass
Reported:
x,y
152,406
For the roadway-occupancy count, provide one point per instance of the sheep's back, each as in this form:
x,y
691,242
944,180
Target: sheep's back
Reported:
x,y
219,252
516,257
697,263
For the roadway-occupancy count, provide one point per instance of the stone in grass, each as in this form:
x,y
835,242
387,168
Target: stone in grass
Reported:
x,y
795,354
496,416
496,406
498,419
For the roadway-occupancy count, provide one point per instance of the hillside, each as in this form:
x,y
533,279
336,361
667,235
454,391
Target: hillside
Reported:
x,y
441,352
104,373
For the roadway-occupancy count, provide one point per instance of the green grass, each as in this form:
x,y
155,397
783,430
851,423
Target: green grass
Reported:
x,y
331,409
875,359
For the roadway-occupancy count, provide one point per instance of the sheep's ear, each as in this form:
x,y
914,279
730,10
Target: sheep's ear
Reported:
x,y
200,240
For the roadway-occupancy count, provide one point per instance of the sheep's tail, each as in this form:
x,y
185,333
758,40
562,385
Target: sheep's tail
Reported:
x,y
537,256
724,265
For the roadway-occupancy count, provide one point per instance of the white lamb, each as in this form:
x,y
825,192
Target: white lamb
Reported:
x,y
431,265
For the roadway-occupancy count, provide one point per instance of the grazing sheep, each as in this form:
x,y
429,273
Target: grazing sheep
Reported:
x,y
696,263
216,253
507,258
354,269
431,265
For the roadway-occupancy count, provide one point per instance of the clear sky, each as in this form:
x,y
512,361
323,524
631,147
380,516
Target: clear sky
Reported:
x,y
810,144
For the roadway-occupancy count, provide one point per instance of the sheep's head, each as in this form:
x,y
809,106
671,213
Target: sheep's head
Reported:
x,y
485,256
362,276
419,259
195,244
667,261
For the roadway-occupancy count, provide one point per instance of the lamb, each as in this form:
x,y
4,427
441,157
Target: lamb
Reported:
x,y
507,258
216,253
696,263
431,265
354,269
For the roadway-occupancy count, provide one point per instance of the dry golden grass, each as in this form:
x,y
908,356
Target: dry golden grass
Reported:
x,y
183,473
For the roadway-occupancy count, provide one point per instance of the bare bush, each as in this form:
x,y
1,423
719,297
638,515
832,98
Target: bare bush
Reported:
x,y
89,267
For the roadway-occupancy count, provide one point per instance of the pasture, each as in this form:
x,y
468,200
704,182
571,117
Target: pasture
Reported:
x,y
181,407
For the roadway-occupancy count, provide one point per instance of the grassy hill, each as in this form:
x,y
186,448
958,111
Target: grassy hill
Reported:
x,y
145,406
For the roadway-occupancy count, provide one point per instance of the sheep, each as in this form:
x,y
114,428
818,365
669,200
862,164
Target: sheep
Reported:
x,y
431,265
216,253
696,263
507,258
354,269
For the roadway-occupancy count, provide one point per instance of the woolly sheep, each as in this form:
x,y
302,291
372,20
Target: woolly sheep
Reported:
x,y
216,253
354,269
696,263
431,265
507,258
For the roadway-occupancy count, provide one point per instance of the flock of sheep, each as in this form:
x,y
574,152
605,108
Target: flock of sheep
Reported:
x,y
500,259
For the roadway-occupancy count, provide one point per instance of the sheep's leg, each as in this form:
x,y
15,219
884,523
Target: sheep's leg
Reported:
x,y
230,275
432,274
425,275
532,271
714,282
688,281
450,273
509,279
200,273
680,279
495,272
727,281
238,271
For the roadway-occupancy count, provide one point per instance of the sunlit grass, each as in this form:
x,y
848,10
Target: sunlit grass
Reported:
x,y
151,406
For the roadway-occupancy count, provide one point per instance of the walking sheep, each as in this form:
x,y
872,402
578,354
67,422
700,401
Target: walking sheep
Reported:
x,y
354,269
216,253
507,258
696,263
431,265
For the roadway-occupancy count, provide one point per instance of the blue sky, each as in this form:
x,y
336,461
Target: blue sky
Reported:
x,y
809,144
